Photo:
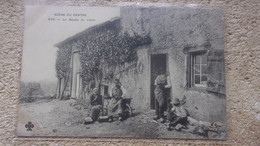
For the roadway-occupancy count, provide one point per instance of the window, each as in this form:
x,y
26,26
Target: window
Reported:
x,y
199,77
205,70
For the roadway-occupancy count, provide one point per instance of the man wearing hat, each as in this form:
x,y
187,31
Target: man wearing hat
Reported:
x,y
162,82
114,107
178,115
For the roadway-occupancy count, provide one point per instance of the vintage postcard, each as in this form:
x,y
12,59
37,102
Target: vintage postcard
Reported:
x,y
123,71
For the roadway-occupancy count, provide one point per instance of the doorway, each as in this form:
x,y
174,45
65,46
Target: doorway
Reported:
x,y
158,62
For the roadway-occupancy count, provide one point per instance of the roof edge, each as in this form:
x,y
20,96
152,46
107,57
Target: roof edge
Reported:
x,y
86,31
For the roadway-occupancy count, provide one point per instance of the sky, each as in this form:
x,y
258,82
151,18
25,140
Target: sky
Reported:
x,y
42,32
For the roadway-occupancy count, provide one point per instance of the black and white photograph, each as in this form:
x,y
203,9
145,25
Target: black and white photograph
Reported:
x,y
117,71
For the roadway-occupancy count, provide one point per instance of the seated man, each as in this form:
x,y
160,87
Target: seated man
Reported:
x,y
96,104
178,115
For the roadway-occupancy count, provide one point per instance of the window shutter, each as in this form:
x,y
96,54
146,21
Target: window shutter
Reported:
x,y
188,70
216,71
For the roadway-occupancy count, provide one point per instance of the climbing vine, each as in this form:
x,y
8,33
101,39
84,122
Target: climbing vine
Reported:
x,y
63,62
96,49
108,47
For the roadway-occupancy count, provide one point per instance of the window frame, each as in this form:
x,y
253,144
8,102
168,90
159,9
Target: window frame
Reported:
x,y
192,69
193,64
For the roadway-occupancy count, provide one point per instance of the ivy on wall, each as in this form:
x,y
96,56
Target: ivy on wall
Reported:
x,y
107,47
110,48
63,62
62,67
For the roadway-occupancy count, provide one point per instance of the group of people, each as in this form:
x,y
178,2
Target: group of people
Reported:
x,y
177,114
115,104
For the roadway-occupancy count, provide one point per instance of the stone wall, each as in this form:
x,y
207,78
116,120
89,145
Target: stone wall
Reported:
x,y
136,79
173,30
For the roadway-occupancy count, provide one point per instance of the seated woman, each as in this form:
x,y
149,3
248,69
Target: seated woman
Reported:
x,y
115,104
96,104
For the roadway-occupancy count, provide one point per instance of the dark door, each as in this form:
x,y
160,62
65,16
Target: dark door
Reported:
x,y
158,62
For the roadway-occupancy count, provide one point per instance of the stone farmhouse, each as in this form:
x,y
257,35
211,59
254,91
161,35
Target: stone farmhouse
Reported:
x,y
187,43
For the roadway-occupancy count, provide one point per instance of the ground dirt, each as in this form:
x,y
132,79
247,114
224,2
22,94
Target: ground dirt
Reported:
x,y
59,118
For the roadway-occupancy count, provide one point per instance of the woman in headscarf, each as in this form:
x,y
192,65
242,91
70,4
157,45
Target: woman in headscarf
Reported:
x,y
115,104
